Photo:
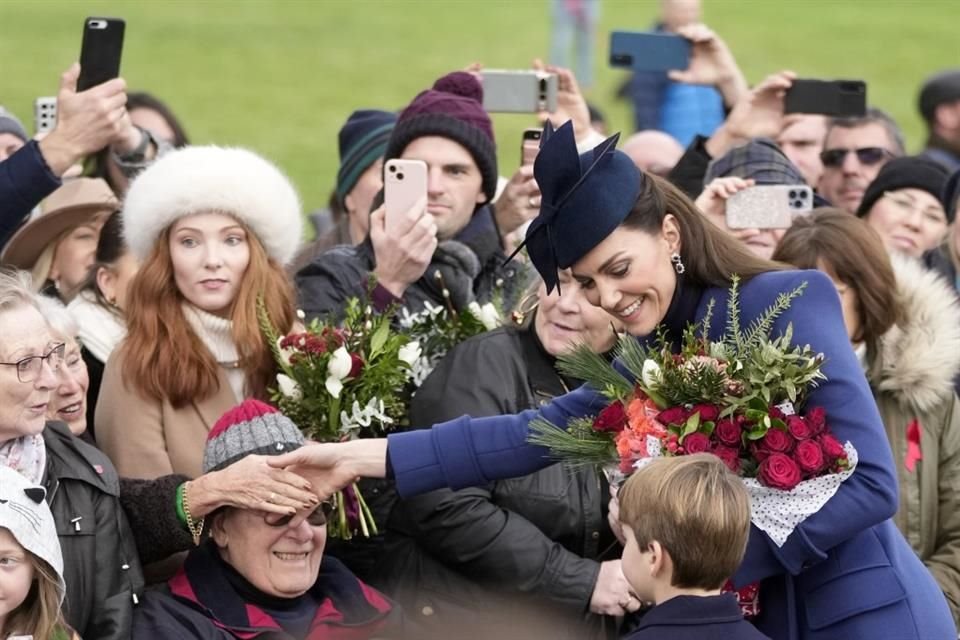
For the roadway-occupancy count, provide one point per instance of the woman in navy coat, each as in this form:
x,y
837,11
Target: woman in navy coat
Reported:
x,y
645,255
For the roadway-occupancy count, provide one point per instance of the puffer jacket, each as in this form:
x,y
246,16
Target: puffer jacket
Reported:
x,y
519,554
100,565
911,374
471,265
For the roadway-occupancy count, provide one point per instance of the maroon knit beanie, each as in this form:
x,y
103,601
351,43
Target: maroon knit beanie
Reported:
x,y
452,108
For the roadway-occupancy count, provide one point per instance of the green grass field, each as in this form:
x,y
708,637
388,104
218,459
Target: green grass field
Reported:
x,y
281,77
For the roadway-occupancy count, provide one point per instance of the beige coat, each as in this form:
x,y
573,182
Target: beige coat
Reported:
x,y
912,379
148,438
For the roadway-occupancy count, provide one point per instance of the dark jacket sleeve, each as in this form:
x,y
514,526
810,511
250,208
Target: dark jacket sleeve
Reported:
x,y
326,284
150,506
25,180
465,529
687,175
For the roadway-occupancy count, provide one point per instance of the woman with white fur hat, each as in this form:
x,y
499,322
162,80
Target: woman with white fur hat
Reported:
x,y
212,228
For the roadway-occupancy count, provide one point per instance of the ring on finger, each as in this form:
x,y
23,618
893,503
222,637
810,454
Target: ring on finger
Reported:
x,y
271,497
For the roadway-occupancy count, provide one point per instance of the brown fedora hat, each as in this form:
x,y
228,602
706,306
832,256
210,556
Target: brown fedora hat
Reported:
x,y
77,202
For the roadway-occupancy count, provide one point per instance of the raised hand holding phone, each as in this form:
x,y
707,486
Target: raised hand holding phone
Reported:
x,y
100,51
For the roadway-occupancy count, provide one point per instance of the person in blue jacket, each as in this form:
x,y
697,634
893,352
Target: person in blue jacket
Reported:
x,y
647,256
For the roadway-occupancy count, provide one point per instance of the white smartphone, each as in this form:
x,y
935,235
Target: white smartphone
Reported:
x,y
768,206
44,114
524,91
404,182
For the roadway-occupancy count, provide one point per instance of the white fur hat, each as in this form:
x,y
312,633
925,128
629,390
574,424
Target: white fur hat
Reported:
x,y
25,514
194,180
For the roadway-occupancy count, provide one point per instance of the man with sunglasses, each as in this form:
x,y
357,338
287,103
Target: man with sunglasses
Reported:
x,y
854,151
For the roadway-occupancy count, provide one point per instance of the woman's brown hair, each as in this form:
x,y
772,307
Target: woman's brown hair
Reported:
x,y
164,358
710,255
39,615
835,241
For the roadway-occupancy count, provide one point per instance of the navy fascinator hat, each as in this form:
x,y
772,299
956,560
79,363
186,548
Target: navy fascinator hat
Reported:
x,y
584,198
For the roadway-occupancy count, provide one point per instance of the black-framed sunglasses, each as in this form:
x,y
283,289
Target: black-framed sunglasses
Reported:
x,y
316,519
868,156
28,369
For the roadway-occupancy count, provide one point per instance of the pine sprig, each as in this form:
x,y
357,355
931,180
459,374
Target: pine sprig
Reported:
x,y
269,331
577,446
583,363
760,328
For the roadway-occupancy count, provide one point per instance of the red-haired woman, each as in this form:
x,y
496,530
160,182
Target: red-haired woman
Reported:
x,y
212,229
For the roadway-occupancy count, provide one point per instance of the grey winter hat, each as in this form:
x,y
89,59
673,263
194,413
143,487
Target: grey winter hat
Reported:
x,y
10,124
25,514
252,427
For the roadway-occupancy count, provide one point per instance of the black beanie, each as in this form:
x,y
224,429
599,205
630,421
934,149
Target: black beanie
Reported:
x,y
905,173
951,194
452,108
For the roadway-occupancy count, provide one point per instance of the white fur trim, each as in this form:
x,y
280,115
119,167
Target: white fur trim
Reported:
x,y
200,179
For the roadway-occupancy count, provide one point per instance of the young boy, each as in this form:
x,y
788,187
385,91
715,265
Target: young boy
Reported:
x,y
686,521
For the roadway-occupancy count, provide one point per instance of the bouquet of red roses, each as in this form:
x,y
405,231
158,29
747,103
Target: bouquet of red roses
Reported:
x,y
738,398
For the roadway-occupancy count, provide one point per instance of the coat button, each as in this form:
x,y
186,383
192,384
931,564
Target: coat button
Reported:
x,y
595,535
427,610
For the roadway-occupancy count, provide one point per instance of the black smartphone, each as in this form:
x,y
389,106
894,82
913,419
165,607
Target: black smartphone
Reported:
x,y
100,51
837,98
643,51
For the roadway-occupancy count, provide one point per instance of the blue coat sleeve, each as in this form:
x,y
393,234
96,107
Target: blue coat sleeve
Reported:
x,y
25,180
469,451
869,495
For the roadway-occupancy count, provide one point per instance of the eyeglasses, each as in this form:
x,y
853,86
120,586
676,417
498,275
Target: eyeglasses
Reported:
x,y
316,519
907,205
28,369
868,156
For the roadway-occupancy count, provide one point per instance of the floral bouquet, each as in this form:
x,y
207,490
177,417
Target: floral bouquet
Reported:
x,y
341,383
741,398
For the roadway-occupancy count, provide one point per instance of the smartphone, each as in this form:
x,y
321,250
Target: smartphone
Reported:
x,y
837,98
768,206
44,114
645,51
526,91
100,51
530,147
404,182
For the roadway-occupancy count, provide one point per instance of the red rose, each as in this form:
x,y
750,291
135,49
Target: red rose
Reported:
x,y
799,428
817,419
708,412
612,418
356,365
776,414
758,452
696,442
779,472
832,447
674,415
730,457
777,441
809,456
729,432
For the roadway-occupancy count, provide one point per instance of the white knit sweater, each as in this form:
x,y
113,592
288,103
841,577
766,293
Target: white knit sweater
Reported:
x,y
216,333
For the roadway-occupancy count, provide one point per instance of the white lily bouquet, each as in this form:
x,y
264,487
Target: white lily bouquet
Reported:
x,y
345,382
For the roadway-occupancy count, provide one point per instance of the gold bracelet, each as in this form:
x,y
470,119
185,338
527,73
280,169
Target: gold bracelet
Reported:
x,y
196,529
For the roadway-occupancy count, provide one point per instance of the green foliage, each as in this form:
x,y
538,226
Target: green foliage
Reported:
x,y
576,446
583,363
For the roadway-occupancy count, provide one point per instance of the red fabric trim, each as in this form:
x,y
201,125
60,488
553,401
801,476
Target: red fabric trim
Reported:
x,y
180,586
913,446
257,617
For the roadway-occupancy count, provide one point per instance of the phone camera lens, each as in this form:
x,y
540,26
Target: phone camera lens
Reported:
x,y
804,195
391,168
797,204
399,176
793,194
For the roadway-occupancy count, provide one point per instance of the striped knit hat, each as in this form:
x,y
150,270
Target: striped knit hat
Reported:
x,y
362,140
252,427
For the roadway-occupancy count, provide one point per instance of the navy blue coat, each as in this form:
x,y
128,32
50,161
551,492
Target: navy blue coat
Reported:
x,y
845,572
25,180
696,618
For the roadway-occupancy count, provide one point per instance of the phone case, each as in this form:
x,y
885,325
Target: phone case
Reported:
x,y
837,98
519,91
768,206
404,182
44,114
643,51
530,147
100,52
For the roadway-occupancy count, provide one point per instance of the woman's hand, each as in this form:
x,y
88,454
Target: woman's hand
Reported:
x,y
571,105
250,483
611,594
613,516
713,200
332,466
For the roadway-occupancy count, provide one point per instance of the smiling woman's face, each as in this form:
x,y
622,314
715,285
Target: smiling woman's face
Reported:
x,y
210,254
630,276
566,318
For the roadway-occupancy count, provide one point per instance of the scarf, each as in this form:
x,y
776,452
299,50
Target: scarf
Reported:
x,y
27,456
100,328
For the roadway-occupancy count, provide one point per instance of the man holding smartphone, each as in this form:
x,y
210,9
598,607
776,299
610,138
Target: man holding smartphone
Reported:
x,y
445,249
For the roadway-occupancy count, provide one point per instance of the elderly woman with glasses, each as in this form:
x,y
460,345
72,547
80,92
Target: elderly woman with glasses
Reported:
x,y
903,205
101,569
259,574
